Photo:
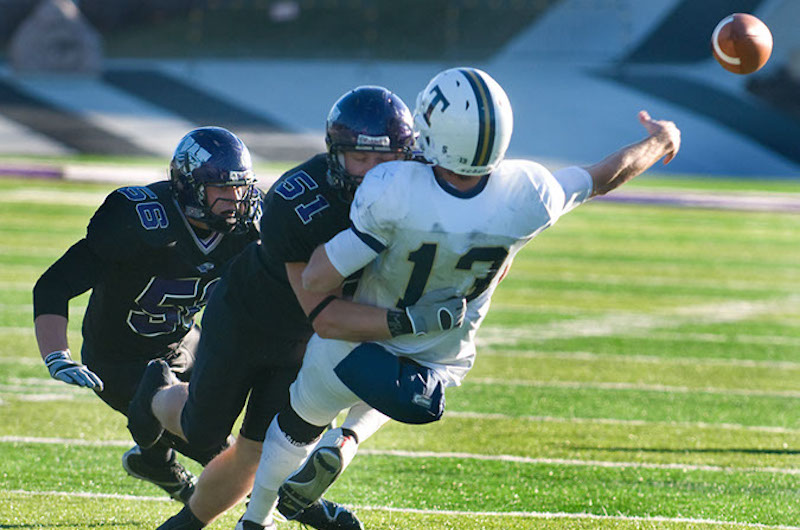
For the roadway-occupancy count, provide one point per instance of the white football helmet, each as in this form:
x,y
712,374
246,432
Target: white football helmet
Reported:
x,y
464,120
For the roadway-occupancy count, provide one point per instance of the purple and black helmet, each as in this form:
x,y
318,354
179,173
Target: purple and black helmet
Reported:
x,y
368,118
213,156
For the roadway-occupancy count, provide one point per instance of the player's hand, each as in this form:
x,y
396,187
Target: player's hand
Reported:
x,y
666,131
63,368
437,310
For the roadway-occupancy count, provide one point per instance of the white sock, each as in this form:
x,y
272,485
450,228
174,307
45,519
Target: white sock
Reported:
x,y
364,421
346,444
279,459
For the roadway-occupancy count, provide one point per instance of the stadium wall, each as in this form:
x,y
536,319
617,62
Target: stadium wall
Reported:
x,y
576,78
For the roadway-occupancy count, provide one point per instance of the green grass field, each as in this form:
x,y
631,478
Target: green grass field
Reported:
x,y
639,369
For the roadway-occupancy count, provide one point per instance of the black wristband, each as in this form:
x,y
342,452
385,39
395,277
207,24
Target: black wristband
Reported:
x,y
320,306
398,322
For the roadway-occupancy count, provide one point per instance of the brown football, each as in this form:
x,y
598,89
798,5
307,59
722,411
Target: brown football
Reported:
x,y
741,43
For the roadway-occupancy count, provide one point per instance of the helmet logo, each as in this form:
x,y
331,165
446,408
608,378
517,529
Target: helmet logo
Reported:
x,y
373,141
432,105
195,154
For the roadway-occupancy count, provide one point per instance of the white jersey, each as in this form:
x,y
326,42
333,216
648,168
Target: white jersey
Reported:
x,y
429,236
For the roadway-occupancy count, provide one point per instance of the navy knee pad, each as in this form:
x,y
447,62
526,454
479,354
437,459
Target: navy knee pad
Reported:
x,y
399,387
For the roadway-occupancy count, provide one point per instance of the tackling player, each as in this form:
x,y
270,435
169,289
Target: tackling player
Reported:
x,y
260,317
418,230
151,256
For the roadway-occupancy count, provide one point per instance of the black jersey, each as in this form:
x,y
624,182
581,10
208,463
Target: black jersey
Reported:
x,y
300,212
149,271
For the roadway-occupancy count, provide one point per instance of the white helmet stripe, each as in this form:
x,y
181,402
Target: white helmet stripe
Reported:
x,y
486,117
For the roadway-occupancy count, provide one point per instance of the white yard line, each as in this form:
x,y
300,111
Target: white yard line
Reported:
x,y
25,388
88,495
614,421
768,340
14,286
65,197
65,441
636,324
634,386
625,281
562,515
455,455
644,359
35,398
450,513
578,463
23,361
17,330
563,355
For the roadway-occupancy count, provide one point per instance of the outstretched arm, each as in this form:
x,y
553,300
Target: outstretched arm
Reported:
x,y
664,140
74,273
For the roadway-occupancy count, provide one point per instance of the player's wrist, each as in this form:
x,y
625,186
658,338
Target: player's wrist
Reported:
x,y
398,322
58,360
57,355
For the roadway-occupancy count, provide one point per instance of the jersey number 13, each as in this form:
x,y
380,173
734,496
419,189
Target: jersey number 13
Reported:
x,y
423,259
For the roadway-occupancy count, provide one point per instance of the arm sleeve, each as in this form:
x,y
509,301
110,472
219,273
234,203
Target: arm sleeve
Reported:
x,y
350,251
74,273
112,236
577,184
376,206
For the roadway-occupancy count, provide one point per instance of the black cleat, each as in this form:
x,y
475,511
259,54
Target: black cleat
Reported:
x,y
143,425
327,515
172,477
306,486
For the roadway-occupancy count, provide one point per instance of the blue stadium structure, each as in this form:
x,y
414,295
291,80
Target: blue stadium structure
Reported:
x,y
576,77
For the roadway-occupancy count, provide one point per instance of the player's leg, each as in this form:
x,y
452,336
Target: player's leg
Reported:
x,y
167,403
223,374
316,397
334,452
156,464
400,387
161,375
225,481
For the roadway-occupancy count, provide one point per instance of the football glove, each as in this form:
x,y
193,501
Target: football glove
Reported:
x,y
63,368
437,310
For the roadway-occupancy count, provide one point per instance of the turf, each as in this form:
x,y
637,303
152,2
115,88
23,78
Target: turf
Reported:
x,y
638,369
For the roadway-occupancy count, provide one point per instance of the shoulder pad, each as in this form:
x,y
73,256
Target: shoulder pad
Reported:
x,y
131,219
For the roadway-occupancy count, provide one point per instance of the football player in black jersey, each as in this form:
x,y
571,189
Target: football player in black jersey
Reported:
x,y
151,256
259,318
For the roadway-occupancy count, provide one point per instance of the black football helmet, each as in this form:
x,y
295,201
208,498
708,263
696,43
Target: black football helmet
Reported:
x,y
213,156
368,118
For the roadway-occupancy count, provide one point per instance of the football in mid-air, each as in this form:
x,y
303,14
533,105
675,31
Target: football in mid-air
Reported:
x,y
741,43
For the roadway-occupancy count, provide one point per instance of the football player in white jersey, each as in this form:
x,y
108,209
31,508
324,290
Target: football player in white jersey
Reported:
x,y
452,225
